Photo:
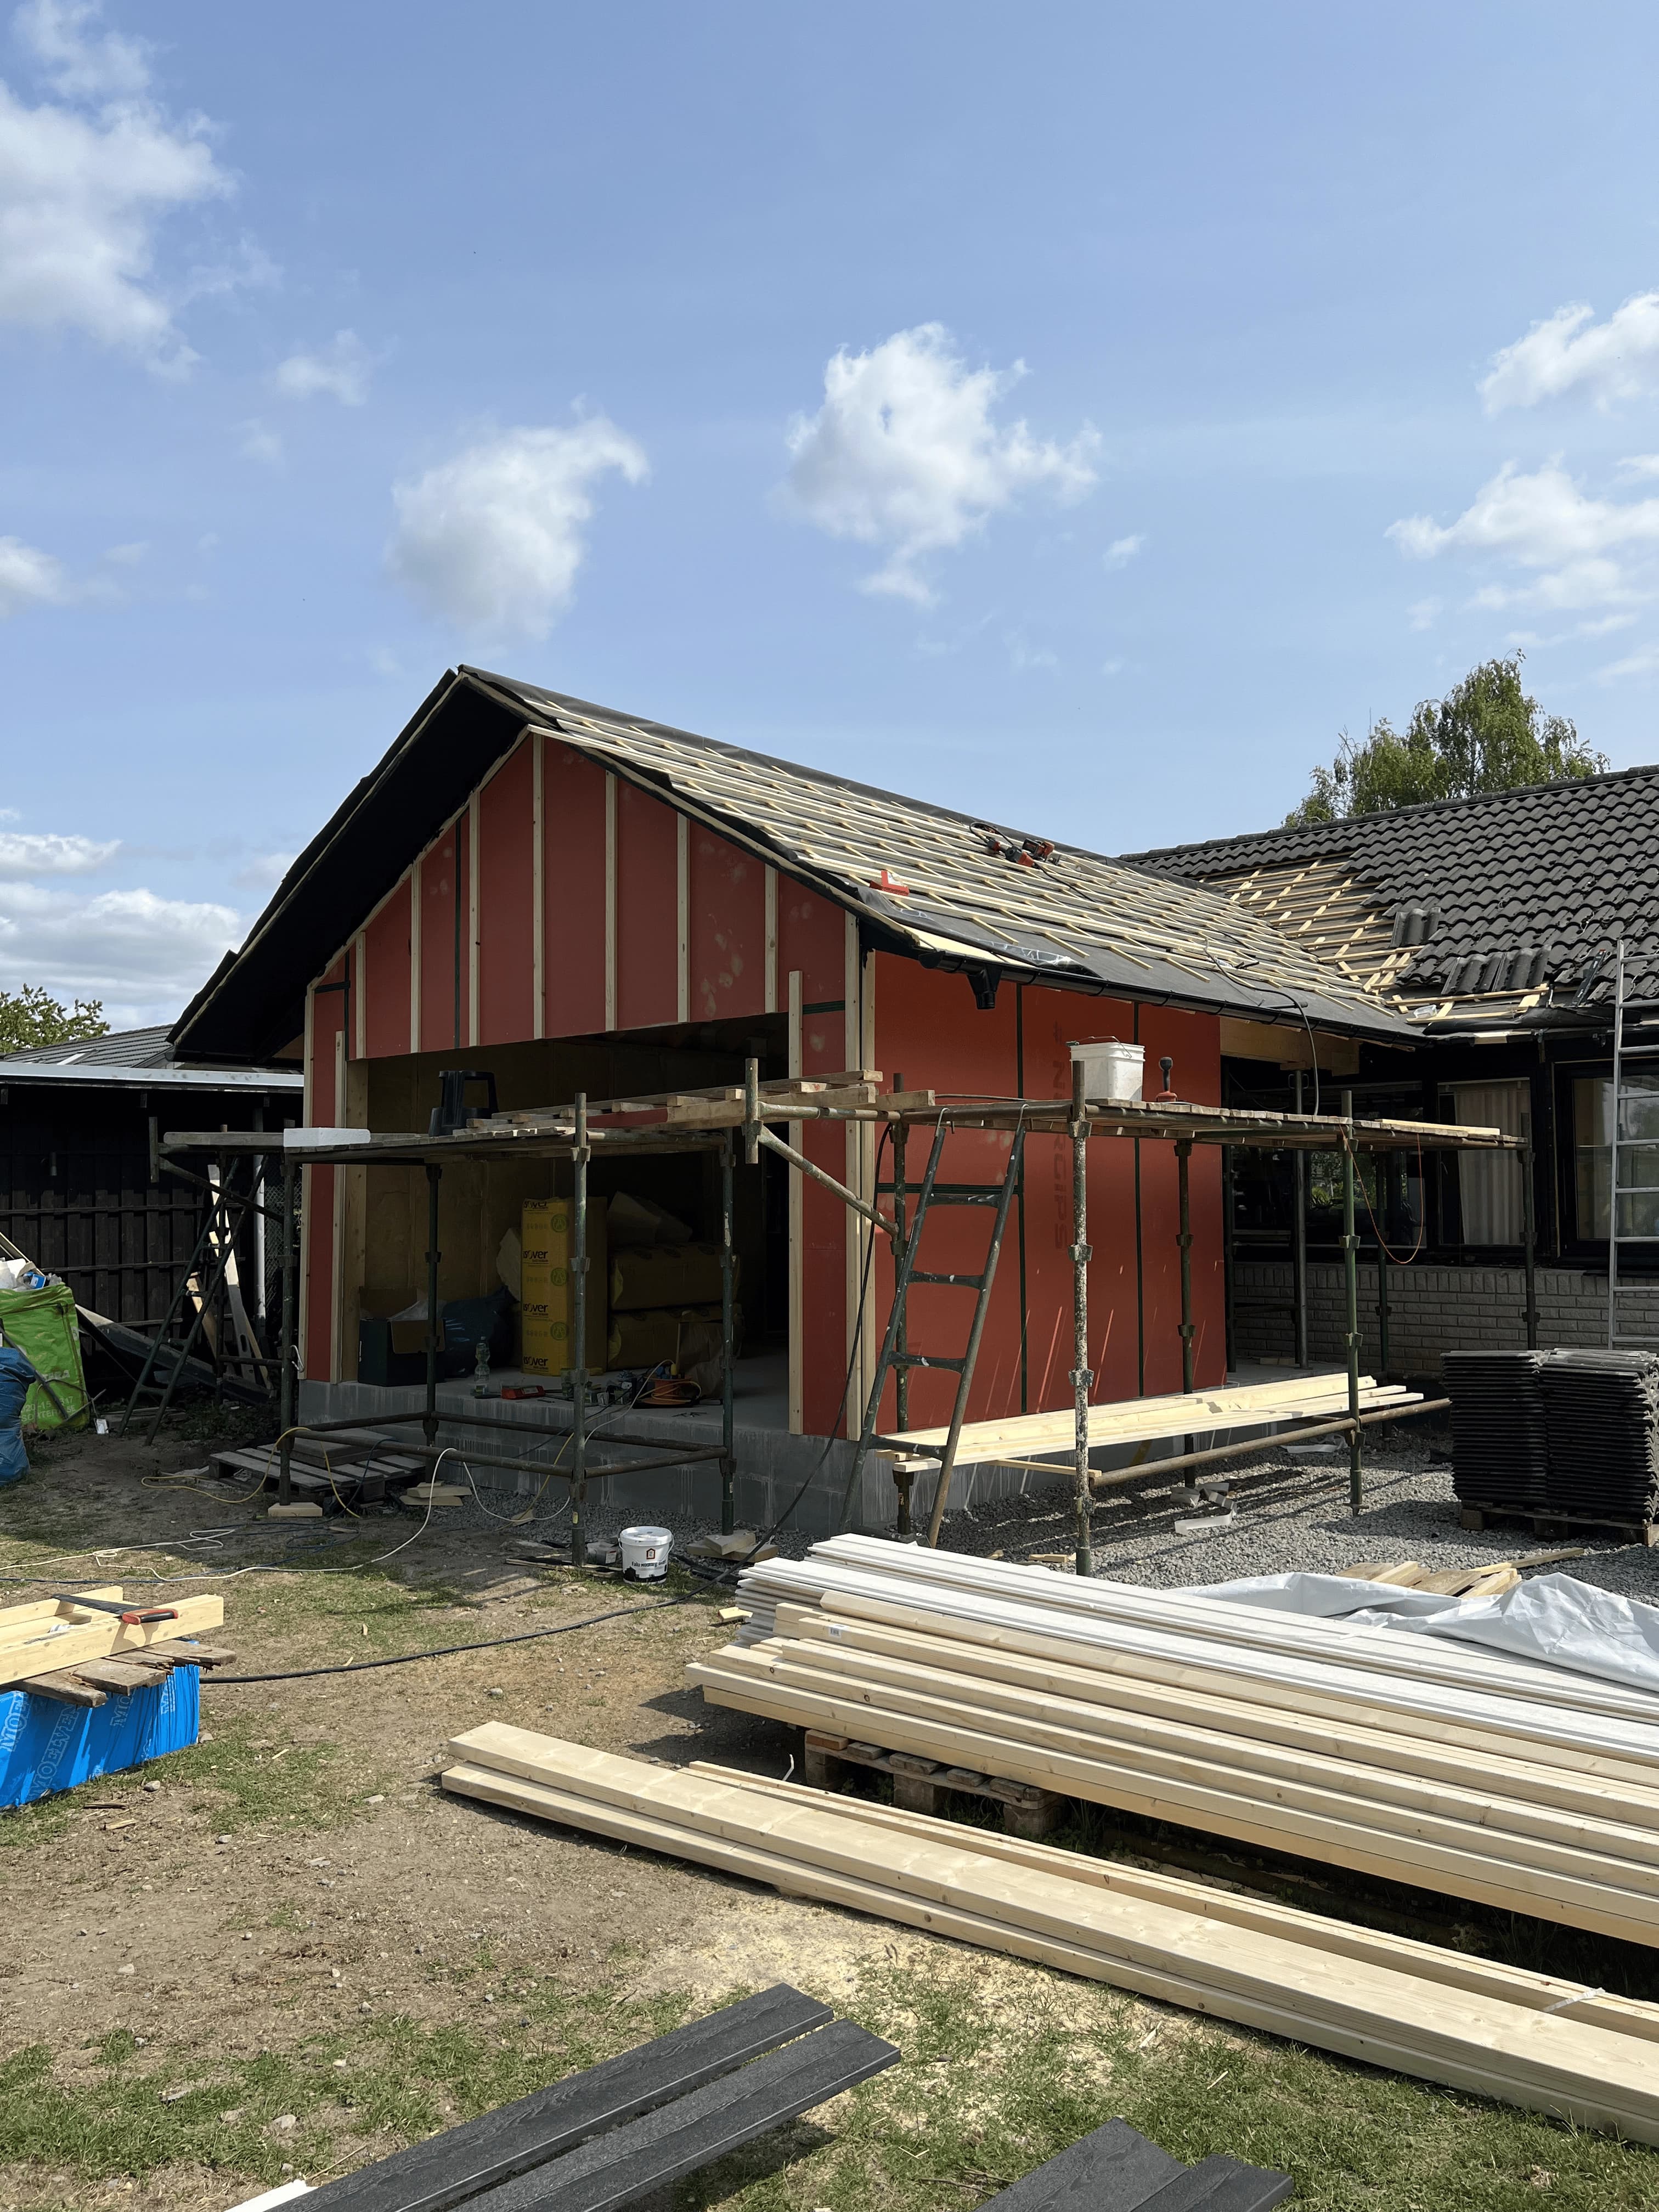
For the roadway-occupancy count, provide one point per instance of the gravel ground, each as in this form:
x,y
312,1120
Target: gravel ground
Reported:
x,y
1293,1514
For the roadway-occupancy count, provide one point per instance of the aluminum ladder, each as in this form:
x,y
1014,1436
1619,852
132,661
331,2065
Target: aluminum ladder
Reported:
x,y
896,1358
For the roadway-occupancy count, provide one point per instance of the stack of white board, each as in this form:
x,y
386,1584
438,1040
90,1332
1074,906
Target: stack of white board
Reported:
x,y
1527,2039
1517,1786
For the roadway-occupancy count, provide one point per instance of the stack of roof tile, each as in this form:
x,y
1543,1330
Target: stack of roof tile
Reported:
x,y
1602,1413
1500,1447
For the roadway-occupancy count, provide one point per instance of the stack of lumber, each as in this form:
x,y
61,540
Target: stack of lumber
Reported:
x,y
1013,1441
1522,1787
1499,2031
78,1655
1489,1580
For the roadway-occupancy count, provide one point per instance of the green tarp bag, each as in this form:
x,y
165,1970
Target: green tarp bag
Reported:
x,y
47,1330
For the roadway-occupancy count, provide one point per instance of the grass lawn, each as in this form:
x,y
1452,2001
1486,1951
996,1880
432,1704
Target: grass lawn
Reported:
x,y
295,1954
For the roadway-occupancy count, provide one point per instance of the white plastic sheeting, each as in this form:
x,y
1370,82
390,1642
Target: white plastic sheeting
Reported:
x,y
1554,1620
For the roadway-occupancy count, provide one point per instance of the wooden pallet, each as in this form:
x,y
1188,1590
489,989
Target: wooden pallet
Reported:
x,y
1553,1522
918,1783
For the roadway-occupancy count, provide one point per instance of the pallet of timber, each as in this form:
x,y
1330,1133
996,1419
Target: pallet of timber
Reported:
x,y
1535,1792
1497,2031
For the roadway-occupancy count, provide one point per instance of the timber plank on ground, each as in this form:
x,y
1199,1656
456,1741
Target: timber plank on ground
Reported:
x,y
1384,2015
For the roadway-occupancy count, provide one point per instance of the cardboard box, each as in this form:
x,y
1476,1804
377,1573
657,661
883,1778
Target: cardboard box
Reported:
x,y
545,1289
390,1354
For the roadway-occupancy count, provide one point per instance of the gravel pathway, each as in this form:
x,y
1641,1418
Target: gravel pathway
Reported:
x,y
1293,1514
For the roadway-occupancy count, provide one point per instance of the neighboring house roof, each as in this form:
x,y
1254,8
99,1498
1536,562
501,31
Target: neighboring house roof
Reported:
x,y
1471,911
954,892
127,1057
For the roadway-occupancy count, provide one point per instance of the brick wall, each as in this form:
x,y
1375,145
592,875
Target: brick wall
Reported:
x,y
1431,1310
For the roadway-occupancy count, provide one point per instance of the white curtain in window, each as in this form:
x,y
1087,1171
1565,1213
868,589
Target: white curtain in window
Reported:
x,y
1489,1183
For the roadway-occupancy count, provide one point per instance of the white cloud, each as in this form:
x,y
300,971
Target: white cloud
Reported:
x,y
903,454
58,33
141,955
342,369
1121,551
263,871
491,541
130,555
1544,522
261,443
25,853
84,188
1618,359
1424,613
29,578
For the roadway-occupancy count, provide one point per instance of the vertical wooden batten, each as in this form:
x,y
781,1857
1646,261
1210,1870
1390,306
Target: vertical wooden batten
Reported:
x,y
414,956
539,886
472,921
797,1189
856,1230
337,1242
683,864
609,901
360,995
771,978
308,1178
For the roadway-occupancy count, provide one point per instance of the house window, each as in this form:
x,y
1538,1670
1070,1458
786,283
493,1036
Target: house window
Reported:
x,y
1638,1155
1489,1187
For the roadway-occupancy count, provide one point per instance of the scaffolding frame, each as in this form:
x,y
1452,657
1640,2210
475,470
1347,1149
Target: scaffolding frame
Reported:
x,y
715,1119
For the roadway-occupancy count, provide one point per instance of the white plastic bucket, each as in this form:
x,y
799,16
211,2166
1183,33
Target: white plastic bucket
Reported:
x,y
644,1553
1112,1072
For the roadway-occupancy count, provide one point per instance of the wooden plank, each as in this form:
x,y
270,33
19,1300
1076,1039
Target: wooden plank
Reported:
x,y
1566,1841
1339,1834
63,1689
120,1676
1332,1693
23,1620
1467,1970
1238,1972
1492,1760
989,1587
70,1648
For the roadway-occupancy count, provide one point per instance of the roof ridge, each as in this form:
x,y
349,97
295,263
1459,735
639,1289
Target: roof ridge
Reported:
x,y
1421,806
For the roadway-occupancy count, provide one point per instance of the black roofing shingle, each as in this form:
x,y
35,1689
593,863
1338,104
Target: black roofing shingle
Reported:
x,y
116,1048
1564,867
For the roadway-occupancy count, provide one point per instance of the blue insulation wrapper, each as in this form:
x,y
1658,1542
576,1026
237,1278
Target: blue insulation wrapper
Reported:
x,y
46,1746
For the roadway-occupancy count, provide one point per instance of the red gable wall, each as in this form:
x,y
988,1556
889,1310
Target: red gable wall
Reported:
x,y
646,918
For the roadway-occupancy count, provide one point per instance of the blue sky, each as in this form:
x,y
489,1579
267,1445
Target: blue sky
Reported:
x,y
1075,414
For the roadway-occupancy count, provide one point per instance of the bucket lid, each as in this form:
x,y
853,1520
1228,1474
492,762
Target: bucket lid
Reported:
x,y
646,1536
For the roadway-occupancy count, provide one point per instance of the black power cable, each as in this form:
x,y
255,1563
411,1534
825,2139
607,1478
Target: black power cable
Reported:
x,y
447,1651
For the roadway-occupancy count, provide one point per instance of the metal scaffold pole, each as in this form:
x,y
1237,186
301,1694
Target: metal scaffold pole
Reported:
x,y
1299,1243
1184,1181
580,1151
1081,1377
433,1337
286,1408
1351,1273
728,1457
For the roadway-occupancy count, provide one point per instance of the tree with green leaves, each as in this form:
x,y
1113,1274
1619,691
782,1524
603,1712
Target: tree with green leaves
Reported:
x,y
1484,735
32,1016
